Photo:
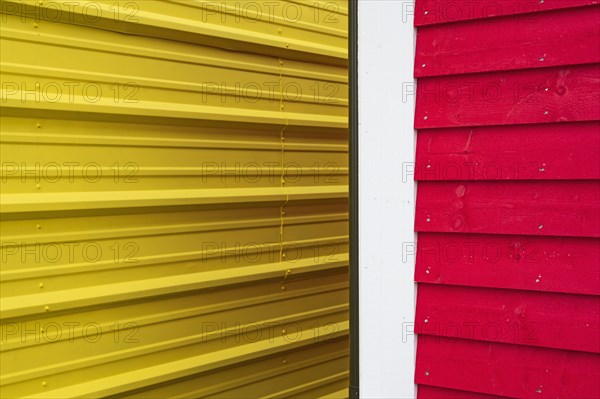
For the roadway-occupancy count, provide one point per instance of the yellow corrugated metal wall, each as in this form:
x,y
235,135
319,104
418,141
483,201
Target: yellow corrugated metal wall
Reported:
x,y
174,199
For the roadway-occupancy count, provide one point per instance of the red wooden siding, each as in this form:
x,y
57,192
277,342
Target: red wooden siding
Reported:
x,y
547,95
477,46
546,319
510,261
429,392
519,152
508,199
557,208
512,371
429,12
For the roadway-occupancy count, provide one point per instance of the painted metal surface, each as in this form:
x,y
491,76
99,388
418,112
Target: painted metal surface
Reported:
x,y
508,201
174,199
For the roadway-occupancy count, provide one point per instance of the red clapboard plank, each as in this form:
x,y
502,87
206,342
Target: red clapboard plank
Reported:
x,y
558,94
521,152
429,392
549,320
552,264
565,37
428,12
558,208
507,370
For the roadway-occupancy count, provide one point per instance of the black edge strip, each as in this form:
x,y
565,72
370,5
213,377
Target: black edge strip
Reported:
x,y
353,164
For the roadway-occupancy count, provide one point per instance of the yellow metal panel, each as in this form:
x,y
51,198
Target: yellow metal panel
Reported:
x,y
174,199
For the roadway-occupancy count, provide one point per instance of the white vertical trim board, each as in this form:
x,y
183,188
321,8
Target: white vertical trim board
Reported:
x,y
386,151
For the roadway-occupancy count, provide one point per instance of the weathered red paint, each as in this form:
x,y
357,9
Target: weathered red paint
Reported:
x,y
508,199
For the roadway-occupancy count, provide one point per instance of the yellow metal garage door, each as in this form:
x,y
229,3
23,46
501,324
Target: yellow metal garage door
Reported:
x,y
174,199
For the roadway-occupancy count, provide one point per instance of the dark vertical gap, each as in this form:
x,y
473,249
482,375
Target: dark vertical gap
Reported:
x,y
353,165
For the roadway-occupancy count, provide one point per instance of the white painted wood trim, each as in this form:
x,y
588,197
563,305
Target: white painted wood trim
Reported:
x,y
386,145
